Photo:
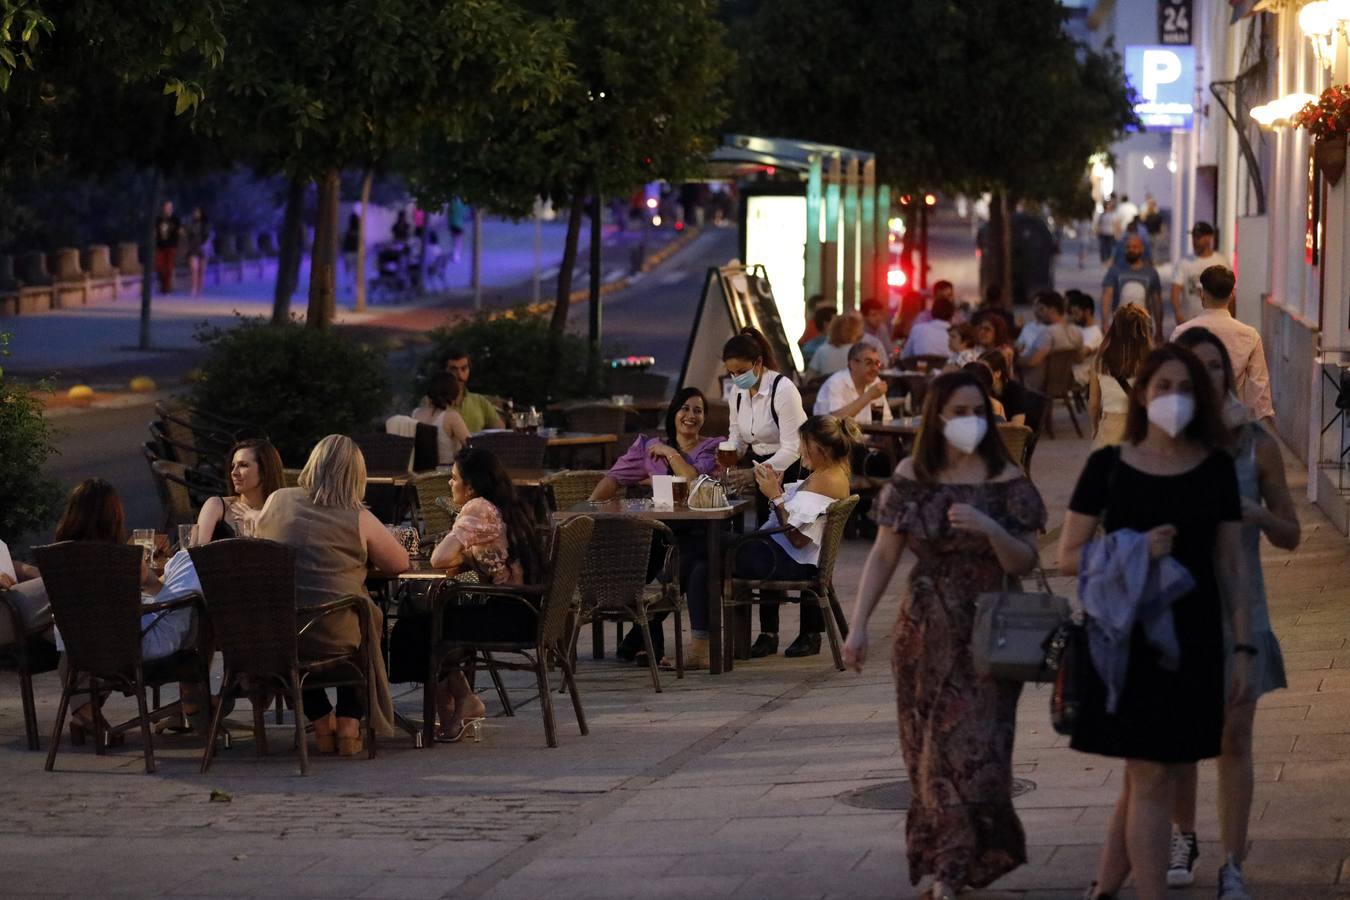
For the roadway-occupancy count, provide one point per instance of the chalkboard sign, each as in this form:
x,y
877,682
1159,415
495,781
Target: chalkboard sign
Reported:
x,y
734,296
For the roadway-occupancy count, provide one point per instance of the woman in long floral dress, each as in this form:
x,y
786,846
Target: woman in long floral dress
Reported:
x,y
967,512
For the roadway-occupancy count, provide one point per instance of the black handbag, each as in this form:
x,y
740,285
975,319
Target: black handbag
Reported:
x,y
1068,656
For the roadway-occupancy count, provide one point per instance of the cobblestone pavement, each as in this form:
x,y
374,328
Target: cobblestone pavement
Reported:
x,y
718,787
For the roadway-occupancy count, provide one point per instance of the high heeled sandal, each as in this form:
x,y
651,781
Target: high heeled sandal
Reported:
x,y
472,727
82,728
350,746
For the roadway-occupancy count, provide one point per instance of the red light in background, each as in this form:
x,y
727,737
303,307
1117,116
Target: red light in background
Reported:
x,y
896,278
905,199
679,226
769,170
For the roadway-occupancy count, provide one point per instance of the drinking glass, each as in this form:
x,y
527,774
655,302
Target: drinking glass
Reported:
x,y
145,539
185,536
247,527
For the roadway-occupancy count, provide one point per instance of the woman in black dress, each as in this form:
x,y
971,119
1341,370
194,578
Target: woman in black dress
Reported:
x,y
1171,481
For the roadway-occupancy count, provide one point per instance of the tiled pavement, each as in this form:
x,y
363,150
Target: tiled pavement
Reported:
x,y
719,787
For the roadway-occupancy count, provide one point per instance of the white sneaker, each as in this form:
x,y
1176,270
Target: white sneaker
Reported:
x,y
1232,886
1181,868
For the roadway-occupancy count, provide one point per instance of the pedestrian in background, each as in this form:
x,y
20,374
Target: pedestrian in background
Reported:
x,y
198,233
351,248
1124,350
168,229
1106,231
1251,377
967,512
1187,302
1169,490
1135,282
1267,508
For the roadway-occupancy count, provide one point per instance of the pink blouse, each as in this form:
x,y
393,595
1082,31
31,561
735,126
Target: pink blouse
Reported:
x,y
482,533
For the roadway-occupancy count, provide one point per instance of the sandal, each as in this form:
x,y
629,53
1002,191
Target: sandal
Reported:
x,y
474,727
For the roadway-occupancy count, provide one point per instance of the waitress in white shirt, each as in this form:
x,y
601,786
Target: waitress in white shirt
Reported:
x,y
826,446
766,408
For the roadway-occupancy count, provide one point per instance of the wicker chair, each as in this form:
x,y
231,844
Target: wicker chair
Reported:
x,y
29,655
614,583
429,488
554,605
1017,438
386,454
251,586
567,489
739,593
515,450
1059,386
95,592
597,418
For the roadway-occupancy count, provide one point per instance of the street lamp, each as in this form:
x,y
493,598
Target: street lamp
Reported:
x,y
1320,21
1279,113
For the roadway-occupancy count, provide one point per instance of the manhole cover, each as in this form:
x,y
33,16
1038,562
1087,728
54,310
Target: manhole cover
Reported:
x,y
897,794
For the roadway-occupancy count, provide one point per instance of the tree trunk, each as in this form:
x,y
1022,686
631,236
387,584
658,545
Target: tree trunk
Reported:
x,y
569,261
323,258
361,243
148,269
1005,259
289,251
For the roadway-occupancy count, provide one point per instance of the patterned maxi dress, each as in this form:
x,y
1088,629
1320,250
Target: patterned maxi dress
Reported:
x,y
956,727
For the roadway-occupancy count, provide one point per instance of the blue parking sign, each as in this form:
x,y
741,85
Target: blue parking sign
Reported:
x,y
1164,79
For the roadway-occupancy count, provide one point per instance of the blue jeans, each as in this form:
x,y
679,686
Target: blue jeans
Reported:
x,y
759,560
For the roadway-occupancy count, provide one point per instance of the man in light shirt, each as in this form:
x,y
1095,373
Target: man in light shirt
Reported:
x,y
1056,335
856,392
1243,342
931,338
1083,314
1186,302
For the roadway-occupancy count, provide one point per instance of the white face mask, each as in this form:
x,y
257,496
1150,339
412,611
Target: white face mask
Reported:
x,y
1172,412
1235,413
965,432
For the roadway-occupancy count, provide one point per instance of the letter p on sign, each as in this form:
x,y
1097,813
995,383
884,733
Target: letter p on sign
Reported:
x,y
1160,67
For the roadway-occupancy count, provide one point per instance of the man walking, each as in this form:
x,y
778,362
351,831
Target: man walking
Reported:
x,y
1106,231
1251,378
167,230
1135,282
1186,302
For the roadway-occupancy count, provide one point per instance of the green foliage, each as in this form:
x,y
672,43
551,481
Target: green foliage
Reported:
x,y
22,24
29,497
298,384
964,95
513,357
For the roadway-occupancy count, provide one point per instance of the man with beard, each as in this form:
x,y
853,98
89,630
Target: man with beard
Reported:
x,y
1135,282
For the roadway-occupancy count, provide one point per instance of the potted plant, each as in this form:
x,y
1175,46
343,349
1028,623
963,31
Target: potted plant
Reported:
x,y
1328,120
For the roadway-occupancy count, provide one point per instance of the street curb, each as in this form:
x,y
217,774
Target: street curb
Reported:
x,y
119,400
658,257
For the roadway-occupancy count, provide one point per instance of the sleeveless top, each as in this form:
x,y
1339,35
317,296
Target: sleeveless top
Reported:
x,y
1114,400
446,447
242,518
330,557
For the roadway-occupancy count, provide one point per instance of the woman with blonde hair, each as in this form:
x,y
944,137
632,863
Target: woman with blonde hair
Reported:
x,y
335,538
1127,344
845,331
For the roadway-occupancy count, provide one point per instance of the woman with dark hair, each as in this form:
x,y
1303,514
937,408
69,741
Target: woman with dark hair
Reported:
x,y
94,513
1124,349
985,376
494,538
444,393
684,451
1020,406
827,446
766,420
1170,489
1268,508
968,513
991,333
256,472
817,333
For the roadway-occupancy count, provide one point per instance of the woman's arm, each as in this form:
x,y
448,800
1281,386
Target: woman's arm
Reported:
x,y
1016,553
1094,401
678,464
876,575
605,490
382,548
1278,518
1078,529
213,510
1237,598
449,554
453,423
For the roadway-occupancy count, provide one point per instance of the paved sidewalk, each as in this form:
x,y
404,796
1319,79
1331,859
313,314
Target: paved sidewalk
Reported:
x,y
718,787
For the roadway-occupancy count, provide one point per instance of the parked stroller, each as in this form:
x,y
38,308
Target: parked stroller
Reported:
x,y
391,280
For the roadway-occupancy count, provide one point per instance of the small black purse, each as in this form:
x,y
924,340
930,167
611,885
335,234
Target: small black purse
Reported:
x,y
1067,655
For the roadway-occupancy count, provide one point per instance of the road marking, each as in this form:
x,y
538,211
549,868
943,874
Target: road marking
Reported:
x,y
673,278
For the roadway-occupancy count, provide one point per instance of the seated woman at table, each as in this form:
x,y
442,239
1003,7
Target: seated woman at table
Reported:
x,y
495,539
991,333
1019,404
444,392
94,513
335,538
256,472
985,376
684,451
845,331
826,447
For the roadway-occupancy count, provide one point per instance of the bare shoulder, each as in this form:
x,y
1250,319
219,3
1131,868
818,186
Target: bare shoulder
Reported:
x,y
1010,473
1268,452
906,468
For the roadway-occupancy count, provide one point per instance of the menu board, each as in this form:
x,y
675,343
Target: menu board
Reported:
x,y
734,296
